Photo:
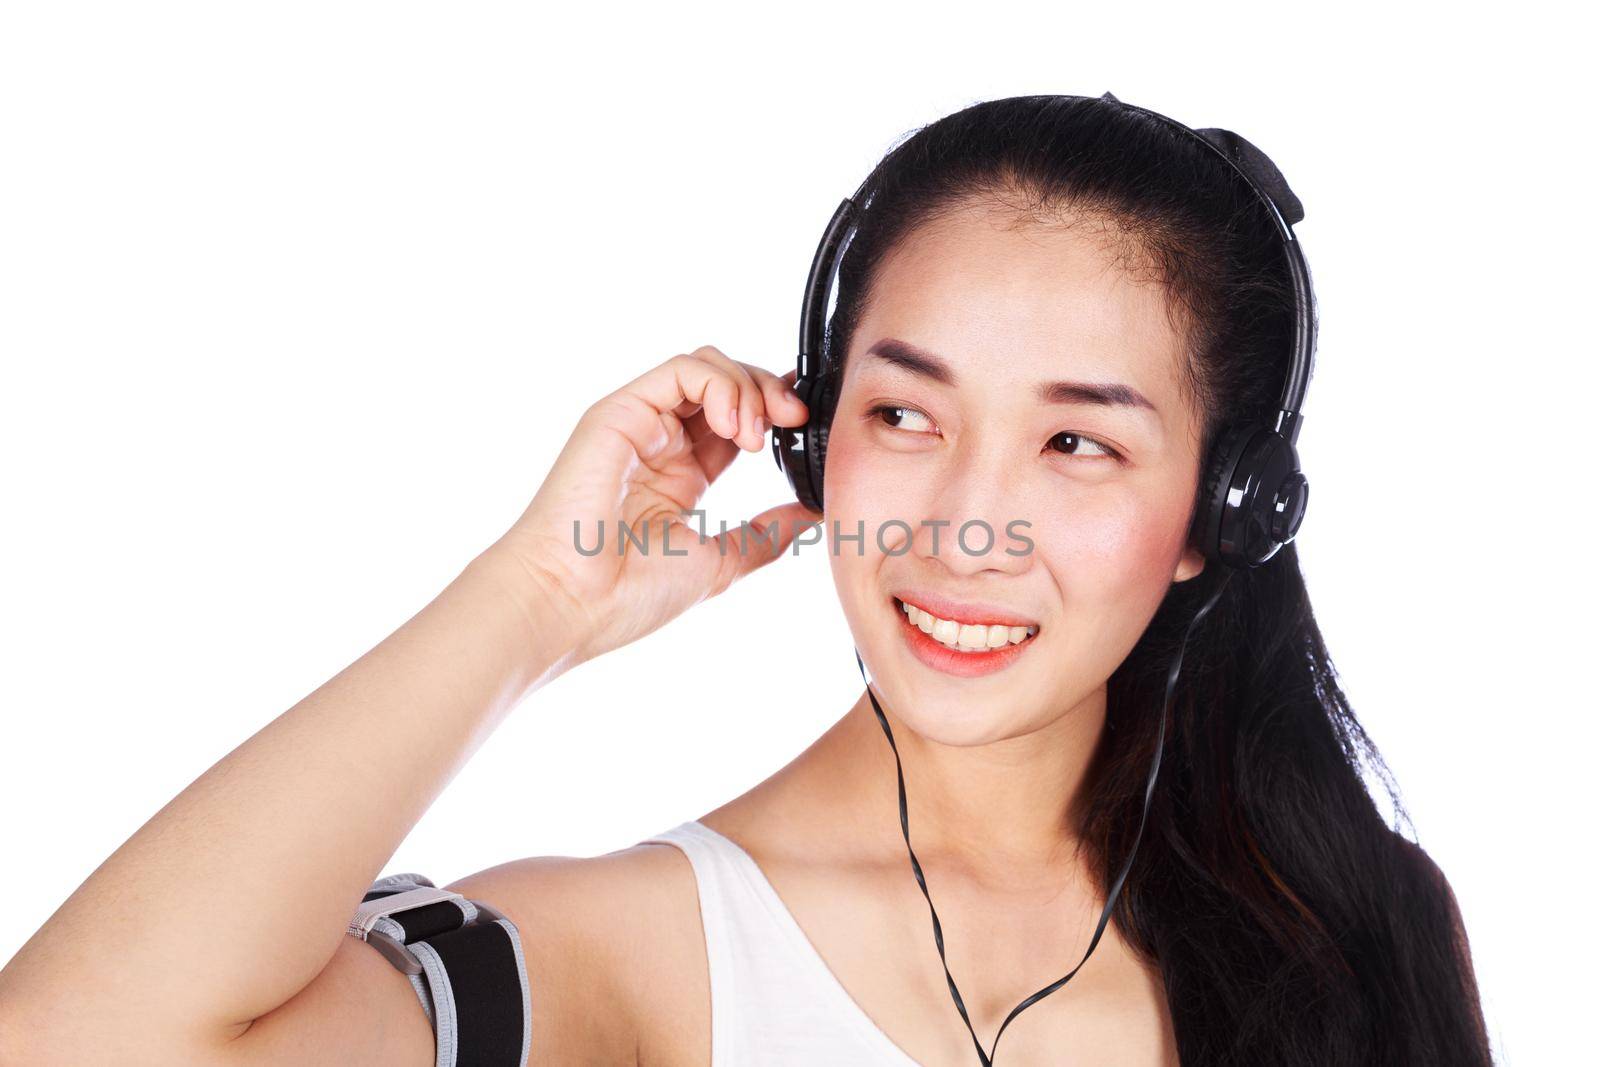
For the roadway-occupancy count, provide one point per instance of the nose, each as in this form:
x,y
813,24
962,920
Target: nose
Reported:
x,y
978,521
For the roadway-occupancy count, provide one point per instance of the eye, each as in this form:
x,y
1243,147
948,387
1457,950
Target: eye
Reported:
x,y
1069,440
1066,443
885,412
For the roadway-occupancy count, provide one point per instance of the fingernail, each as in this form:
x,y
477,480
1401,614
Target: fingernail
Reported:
x,y
733,418
761,426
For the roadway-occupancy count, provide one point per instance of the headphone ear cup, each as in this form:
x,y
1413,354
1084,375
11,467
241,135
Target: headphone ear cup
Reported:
x,y
817,430
789,445
1253,497
1213,496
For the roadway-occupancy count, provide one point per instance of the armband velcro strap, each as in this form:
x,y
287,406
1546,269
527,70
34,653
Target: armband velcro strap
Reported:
x,y
382,905
464,960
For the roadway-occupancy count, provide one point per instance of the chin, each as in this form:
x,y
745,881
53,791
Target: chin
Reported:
x,y
966,727
947,711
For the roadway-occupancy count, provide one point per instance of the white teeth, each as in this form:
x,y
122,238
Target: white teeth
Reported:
x,y
966,637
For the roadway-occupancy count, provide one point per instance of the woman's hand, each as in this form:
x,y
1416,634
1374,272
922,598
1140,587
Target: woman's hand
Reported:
x,y
641,458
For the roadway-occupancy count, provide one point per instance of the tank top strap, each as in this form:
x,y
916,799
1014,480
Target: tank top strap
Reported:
x,y
773,998
719,884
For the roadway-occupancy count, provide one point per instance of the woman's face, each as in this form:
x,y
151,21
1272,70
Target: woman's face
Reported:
x,y
1016,379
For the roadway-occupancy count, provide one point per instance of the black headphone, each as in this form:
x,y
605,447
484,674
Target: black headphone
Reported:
x,y
1253,497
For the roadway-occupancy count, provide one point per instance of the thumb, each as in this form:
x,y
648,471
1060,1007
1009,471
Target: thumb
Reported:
x,y
770,535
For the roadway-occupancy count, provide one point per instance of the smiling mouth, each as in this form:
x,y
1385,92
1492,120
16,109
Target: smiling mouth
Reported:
x,y
968,638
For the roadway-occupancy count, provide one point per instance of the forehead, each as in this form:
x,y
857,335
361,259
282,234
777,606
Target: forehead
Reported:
x,y
1014,302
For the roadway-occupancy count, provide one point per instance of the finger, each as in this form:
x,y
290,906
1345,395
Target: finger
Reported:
x,y
782,405
769,537
695,426
749,404
692,419
714,452
711,450
683,378
692,416
789,379
631,423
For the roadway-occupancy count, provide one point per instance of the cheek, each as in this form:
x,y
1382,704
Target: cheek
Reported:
x,y
1112,558
853,469
871,510
872,489
1112,541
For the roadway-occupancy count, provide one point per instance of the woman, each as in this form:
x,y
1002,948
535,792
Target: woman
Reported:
x,y
1269,915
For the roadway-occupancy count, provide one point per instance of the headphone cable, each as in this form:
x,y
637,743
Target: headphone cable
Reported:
x,y
987,1058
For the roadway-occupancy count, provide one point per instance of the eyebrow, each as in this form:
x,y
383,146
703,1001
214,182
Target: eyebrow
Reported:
x,y
921,362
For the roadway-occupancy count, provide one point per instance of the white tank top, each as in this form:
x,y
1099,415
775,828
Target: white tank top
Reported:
x,y
773,999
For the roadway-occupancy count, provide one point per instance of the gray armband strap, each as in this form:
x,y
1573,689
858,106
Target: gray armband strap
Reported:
x,y
464,960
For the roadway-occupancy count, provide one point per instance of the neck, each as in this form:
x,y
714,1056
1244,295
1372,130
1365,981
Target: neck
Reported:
x,y
1006,806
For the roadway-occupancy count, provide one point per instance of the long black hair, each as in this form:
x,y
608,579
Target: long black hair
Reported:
x,y
1290,922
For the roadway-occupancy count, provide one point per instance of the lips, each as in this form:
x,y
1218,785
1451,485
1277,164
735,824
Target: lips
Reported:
x,y
963,611
965,637
961,664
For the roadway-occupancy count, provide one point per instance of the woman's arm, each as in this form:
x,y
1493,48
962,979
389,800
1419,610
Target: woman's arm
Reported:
x,y
235,895
232,901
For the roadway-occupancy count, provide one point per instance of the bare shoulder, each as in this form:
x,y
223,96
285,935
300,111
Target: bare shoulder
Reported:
x,y
615,953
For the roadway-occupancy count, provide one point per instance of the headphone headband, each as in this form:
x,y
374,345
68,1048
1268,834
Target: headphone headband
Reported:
x,y
1267,182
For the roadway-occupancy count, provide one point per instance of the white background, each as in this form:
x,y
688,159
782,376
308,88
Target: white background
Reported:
x,y
298,303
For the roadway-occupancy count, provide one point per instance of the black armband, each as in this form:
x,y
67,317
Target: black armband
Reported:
x,y
464,960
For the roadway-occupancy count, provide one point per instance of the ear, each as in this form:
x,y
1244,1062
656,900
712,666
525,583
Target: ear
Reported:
x,y
1190,564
